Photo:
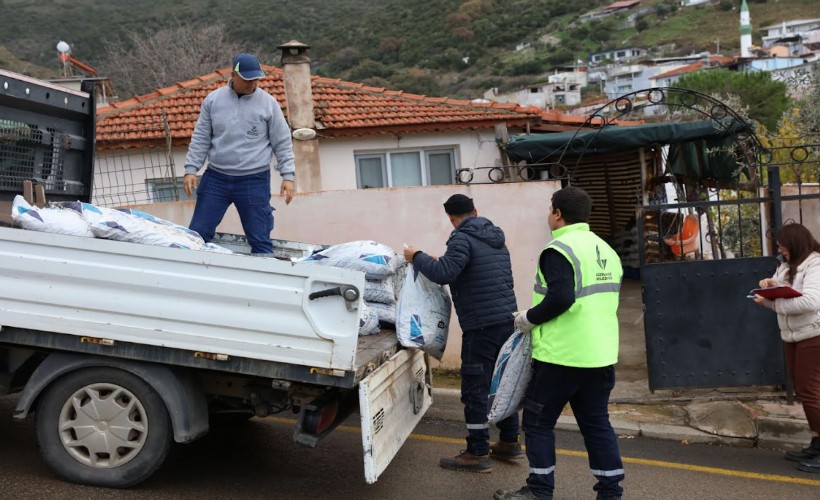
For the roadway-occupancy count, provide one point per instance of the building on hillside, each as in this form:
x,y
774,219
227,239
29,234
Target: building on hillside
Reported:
x,y
609,10
614,55
811,40
628,78
692,3
561,89
795,72
668,78
787,29
680,60
769,64
365,136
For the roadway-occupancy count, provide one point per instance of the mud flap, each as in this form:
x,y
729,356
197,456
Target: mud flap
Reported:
x,y
392,401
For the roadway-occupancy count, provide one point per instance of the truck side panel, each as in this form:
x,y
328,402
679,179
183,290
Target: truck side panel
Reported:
x,y
236,305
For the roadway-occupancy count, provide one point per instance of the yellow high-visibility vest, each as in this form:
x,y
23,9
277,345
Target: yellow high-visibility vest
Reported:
x,y
586,335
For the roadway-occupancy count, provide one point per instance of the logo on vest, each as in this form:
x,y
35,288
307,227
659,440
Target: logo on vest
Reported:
x,y
603,276
253,132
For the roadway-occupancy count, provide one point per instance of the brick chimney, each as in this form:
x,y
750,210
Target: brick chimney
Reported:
x,y
299,98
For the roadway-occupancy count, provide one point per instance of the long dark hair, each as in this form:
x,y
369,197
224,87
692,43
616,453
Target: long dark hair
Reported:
x,y
799,242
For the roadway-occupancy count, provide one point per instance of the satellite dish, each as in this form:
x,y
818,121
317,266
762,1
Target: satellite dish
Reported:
x,y
63,47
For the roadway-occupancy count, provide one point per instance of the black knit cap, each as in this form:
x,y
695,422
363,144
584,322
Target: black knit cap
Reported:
x,y
458,204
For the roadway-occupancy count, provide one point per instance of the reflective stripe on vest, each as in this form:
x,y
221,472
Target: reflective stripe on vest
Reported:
x,y
586,335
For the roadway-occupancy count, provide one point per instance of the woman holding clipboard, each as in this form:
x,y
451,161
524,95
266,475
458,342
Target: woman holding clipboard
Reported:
x,y
798,316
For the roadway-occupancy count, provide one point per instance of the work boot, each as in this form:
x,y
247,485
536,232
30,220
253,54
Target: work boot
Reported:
x,y
807,453
812,465
507,451
466,461
522,494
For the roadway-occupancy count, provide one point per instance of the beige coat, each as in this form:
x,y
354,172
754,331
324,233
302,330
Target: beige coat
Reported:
x,y
799,317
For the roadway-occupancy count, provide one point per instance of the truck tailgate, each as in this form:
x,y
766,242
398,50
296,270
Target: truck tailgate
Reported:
x,y
392,400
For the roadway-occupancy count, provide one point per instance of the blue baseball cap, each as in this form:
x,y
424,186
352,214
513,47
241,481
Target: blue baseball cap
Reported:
x,y
247,66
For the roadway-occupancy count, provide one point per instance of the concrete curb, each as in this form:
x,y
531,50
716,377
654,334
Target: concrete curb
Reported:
x,y
772,432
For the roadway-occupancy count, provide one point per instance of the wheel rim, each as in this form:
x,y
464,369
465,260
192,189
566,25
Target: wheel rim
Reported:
x,y
103,426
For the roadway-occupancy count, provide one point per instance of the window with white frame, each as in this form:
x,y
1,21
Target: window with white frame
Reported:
x,y
168,190
426,167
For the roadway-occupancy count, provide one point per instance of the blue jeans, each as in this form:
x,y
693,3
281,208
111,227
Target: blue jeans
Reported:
x,y
479,350
251,196
587,391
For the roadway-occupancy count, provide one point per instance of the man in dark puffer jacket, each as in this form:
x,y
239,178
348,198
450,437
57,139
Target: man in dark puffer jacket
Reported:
x,y
477,267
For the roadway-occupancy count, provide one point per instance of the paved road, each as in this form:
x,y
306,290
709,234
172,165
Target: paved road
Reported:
x,y
259,460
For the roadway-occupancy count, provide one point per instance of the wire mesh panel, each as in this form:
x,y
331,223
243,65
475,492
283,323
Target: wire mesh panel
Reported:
x,y
139,175
18,148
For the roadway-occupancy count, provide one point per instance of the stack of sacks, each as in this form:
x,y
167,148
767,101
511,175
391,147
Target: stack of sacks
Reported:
x,y
84,219
382,294
381,265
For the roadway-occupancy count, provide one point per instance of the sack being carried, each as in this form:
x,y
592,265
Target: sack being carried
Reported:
x,y
423,314
511,375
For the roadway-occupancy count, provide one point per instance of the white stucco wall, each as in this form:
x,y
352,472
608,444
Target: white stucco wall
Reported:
x,y
415,216
120,176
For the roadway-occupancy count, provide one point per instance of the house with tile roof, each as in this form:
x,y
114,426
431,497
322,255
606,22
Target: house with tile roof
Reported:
x,y
668,78
365,137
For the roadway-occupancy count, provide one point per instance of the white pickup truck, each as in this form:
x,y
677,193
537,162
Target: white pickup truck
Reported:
x,y
120,348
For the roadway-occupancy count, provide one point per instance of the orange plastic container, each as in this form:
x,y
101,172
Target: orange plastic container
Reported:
x,y
686,241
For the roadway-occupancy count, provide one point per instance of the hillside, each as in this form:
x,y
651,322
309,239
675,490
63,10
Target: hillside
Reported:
x,y
456,48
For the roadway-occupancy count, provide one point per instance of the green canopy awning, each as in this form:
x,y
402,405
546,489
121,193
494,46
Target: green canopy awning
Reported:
x,y
690,141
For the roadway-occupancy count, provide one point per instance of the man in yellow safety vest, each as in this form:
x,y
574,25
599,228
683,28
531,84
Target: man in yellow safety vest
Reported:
x,y
574,326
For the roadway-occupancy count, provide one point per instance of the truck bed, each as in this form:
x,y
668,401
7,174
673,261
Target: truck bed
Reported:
x,y
232,313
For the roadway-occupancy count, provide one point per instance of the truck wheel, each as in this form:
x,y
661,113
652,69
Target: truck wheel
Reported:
x,y
104,427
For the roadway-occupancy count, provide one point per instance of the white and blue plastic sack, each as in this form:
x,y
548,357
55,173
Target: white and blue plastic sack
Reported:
x,y
368,320
423,314
135,226
56,220
511,375
378,261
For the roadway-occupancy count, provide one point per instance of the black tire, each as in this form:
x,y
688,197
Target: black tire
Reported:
x,y
103,392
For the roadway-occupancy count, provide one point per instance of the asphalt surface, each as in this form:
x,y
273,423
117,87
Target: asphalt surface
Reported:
x,y
259,460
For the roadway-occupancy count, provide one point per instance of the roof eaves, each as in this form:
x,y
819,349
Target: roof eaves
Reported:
x,y
419,127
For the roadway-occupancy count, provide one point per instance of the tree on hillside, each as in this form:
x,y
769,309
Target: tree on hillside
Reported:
x,y
765,99
152,60
799,134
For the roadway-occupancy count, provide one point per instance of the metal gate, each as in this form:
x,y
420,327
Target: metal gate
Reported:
x,y
704,212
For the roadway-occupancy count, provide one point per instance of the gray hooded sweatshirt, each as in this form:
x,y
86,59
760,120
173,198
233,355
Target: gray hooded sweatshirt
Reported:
x,y
239,135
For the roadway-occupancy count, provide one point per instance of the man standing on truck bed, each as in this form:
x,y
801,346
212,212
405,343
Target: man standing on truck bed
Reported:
x,y
477,267
239,130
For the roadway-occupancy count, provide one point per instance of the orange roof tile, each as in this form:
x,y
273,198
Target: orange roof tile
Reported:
x,y
340,108
720,60
621,5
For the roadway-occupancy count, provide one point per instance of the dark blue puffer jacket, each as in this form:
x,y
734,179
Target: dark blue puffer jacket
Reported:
x,y
477,267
